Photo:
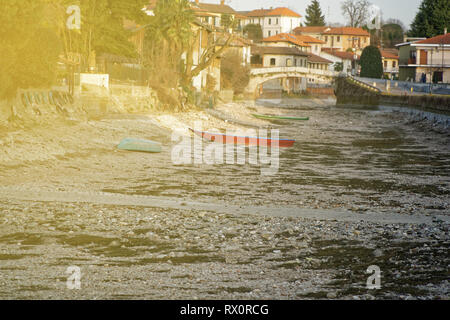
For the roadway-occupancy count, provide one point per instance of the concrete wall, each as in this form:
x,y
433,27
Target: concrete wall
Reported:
x,y
350,91
100,80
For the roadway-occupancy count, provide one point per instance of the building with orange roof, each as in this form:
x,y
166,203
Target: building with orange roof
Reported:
x,y
269,57
273,21
341,39
390,62
304,43
212,13
318,62
348,60
315,32
425,60
314,43
346,38
286,40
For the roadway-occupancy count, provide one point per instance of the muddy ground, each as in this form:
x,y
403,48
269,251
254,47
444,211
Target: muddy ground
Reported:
x,y
362,187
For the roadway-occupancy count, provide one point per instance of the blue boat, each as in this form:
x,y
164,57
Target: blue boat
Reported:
x,y
140,145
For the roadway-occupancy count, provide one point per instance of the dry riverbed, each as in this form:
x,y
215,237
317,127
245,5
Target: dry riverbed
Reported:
x,y
142,228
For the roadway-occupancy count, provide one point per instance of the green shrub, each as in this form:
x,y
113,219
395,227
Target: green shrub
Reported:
x,y
371,63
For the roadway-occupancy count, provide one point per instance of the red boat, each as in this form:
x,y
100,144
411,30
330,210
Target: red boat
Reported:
x,y
248,141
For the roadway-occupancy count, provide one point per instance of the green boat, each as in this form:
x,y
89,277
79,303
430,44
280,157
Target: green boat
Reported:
x,y
265,117
140,145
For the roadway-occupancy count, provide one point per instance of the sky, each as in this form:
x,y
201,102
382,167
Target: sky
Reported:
x,y
404,10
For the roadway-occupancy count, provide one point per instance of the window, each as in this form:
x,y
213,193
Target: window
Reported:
x,y
277,21
273,62
394,64
438,76
326,38
338,39
269,33
295,62
270,21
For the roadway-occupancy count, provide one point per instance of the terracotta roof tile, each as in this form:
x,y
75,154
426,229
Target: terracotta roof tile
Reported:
x,y
300,30
442,39
286,37
317,59
340,54
289,51
258,13
309,39
388,55
284,12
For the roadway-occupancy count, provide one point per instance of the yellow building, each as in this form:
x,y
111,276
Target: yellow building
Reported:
x,y
340,39
346,39
390,62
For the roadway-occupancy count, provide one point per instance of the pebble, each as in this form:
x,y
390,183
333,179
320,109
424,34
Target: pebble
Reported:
x,y
331,295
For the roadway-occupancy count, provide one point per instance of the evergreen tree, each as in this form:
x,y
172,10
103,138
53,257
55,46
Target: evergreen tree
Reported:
x,y
314,15
371,63
102,26
431,20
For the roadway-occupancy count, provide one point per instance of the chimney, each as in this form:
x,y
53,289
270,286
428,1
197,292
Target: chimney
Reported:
x,y
197,1
222,2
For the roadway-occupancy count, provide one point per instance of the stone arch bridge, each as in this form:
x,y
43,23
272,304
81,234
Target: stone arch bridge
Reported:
x,y
299,75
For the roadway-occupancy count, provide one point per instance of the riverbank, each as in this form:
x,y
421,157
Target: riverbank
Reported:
x,y
354,91
360,188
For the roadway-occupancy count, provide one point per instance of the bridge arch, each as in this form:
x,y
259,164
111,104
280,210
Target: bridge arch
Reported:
x,y
260,76
288,84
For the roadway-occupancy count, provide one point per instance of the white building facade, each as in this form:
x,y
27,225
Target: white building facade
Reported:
x,y
274,21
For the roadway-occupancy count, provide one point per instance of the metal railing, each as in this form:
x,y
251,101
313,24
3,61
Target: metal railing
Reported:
x,y
405,86
259,71
364,84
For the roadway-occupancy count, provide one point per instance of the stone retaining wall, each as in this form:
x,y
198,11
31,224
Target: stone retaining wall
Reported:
x,y
38,106
351,91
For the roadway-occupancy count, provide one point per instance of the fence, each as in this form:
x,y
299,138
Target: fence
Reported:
x,y
443,89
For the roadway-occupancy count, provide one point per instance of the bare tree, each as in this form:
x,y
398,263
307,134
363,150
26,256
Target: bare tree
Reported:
x,y
356,11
